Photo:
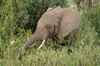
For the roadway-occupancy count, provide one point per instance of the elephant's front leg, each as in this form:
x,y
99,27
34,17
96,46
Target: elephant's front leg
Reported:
x,y
69,39
63,43
66,42
59,42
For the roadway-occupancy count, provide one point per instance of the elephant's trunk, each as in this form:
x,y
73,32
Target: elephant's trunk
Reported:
x,y
34,38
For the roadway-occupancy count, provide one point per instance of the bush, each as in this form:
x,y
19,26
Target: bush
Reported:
x,y
93,16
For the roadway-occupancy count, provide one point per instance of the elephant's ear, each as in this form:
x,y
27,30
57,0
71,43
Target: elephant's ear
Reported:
x,y
69,20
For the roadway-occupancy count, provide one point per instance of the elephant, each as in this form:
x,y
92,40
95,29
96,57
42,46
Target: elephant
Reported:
x,y
55,21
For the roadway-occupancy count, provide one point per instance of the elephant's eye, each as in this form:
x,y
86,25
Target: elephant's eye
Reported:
x,y
48,26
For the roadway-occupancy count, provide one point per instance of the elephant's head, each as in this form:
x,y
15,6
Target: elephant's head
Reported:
x,y
58,21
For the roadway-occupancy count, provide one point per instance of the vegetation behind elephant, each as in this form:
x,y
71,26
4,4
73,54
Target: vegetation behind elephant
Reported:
x,y
86,4
58,21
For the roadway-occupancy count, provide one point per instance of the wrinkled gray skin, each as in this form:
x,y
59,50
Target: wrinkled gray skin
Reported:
x,y
58,21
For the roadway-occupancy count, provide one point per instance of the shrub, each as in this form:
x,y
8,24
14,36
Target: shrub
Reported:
x,y
93,16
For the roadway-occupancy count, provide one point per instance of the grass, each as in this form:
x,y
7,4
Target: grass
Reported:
x,y
84,56
85,52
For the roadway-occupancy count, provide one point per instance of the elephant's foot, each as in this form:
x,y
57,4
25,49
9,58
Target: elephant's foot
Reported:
x,y
20,57
68,48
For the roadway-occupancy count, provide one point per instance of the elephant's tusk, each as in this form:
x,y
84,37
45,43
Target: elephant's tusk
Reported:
x,y
33,45
41,44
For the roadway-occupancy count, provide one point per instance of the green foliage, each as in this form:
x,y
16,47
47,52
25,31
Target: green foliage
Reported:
x,y
85,56
14,16
17,16
93,16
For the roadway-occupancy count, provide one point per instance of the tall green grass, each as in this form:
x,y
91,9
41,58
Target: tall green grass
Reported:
x,y
85,52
